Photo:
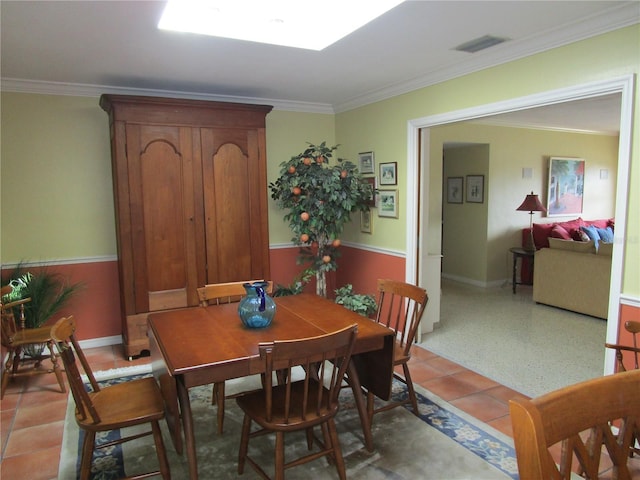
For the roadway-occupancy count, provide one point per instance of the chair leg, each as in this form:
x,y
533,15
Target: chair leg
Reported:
x,y
279,456
410,390
370,402
6,375
244,443
56,367
87,454
337,451
160,451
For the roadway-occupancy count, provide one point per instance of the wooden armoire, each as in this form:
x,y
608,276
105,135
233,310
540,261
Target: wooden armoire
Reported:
x,y
190,192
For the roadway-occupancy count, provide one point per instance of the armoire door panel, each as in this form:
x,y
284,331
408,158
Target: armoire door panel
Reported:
x,y
162,214
229,173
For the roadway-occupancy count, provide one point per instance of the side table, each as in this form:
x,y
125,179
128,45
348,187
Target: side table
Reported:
x,y
522,254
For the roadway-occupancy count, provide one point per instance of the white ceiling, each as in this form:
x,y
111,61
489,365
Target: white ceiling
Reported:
x,y
93,47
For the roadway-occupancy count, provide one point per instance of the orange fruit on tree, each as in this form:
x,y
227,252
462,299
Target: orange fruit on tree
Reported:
x,y
320,159
343,174
292,169
296,190
304,216
304,238
326,258
336,243
306,161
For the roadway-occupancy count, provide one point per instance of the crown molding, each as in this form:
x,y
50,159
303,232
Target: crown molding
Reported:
x,y
19,85
616,18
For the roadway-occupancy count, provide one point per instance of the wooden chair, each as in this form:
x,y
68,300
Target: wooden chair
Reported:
x,y
400,307
588,410
633,328
127,404
15,338
295,405
216,294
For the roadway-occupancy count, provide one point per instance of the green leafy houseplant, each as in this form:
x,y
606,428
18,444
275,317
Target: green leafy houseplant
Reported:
x,y
365,305
319,199
49,293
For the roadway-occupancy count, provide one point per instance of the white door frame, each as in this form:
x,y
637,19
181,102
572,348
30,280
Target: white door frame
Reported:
x,y
418,177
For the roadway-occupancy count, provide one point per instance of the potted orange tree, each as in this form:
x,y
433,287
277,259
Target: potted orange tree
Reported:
x,y
319,197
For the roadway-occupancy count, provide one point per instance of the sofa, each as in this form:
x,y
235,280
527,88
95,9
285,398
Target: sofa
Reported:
x,y
572,265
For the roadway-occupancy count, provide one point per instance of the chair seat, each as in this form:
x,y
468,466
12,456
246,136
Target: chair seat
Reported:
x,y
399,355
126,404
30,336
253,404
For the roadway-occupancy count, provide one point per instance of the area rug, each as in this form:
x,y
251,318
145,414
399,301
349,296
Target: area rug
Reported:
x,y
444,443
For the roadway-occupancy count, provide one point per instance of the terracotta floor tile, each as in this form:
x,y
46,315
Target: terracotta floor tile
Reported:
x,y
423,371
481,406
444,365
422,353
41,395
32,439
33,415
504,393
475,379
449,387
10,400
22,466
502,424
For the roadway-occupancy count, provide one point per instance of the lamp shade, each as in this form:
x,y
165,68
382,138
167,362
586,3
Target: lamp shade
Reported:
x,y
532,204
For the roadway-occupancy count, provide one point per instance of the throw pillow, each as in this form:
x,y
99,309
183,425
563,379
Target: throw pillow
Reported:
x,y
559,232
571,224
597,223
579,236
605,248
581,247
606,234
592,232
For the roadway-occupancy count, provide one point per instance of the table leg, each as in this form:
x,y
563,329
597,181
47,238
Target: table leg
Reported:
x,y
358,396
187,423
515,260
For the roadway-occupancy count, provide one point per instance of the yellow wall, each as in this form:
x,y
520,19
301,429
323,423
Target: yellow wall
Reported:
x,y
382,127
485,257
56,180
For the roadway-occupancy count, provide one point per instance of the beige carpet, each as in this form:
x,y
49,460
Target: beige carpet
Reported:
x,y
406,447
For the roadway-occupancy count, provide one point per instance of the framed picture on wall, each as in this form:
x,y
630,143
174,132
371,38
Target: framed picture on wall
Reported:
x,y
366,224
388,173
366,160
454,190
475,188
566,186
388,206
371,201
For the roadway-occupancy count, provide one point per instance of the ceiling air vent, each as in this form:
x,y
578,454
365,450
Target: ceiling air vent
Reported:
x,y
480,43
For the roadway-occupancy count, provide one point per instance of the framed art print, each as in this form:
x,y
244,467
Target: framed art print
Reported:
x,y
388,206
388,173
366,163
566,186
454,190
475,188
365,221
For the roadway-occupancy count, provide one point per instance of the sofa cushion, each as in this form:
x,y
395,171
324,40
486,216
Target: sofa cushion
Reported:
x,y
581,247
605,248
571,224
606,234
559,232
541,232
597,223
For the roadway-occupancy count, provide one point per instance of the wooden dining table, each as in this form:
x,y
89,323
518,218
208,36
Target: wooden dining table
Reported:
x,y
201,345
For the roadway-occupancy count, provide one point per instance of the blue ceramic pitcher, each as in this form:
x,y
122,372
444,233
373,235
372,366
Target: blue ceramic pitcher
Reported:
x,y
257,308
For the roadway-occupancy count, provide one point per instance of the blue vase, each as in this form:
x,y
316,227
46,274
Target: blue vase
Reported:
x,y
257,308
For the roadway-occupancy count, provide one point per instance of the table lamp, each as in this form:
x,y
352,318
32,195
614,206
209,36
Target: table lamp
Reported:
x,y
531,204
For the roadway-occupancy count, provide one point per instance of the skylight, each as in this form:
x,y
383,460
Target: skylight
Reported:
x,y
308,24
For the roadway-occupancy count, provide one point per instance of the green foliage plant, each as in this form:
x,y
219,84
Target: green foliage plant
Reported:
x,y
319,197
49,292
365,305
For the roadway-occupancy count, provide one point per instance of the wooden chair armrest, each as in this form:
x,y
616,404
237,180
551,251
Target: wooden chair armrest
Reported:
x,y
16,303
622,347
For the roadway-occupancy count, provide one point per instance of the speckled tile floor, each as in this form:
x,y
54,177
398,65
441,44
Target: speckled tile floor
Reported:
x,y
507,337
